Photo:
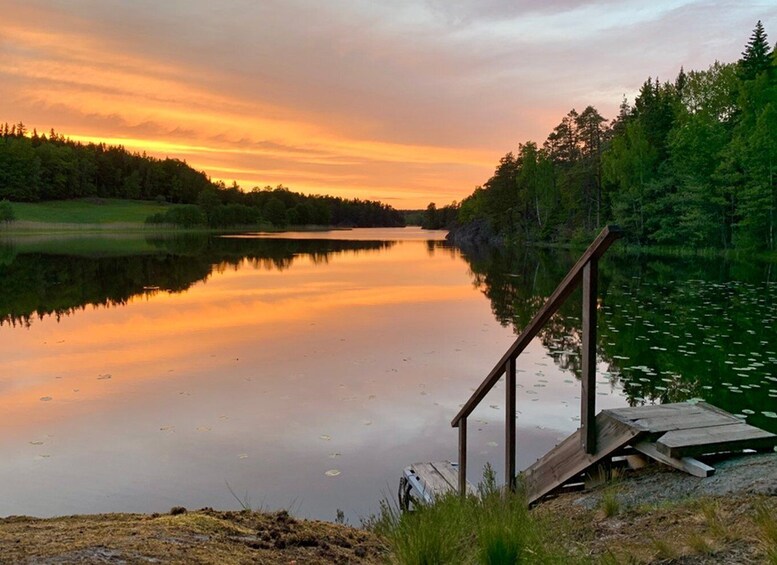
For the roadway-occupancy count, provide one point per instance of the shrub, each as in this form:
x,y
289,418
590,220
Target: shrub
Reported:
x,y
185,216
6,212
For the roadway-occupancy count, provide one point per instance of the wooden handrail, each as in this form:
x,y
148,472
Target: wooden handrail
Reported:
x,y
585,268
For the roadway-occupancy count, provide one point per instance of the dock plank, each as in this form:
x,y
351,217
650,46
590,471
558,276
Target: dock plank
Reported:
x,y
567,460
684,420
698,441
432,478
688,464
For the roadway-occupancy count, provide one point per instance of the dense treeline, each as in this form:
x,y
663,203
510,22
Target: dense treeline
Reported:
x,y
48,283
691,162
37,167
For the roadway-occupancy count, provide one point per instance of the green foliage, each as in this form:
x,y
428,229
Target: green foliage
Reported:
x,y
692,162
439,218
756,57
185,216
494,528
87,211
6,212
55,168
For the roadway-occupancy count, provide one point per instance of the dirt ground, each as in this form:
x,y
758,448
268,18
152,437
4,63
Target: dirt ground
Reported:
x,y
204,536
659,515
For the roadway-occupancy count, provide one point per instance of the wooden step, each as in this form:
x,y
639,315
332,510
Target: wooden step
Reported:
x,y
568,460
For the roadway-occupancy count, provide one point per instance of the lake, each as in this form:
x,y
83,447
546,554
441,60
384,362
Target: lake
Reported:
x,y
305,370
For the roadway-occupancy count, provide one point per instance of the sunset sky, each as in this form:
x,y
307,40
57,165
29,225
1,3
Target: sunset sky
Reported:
x,y
405,101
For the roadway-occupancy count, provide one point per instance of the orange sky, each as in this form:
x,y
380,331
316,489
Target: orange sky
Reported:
x,y
408,103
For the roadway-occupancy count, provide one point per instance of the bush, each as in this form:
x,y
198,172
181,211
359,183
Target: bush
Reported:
x,y
6,212
233,215
185,216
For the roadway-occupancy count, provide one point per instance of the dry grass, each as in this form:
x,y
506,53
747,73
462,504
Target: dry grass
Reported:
x,y
204,536
730,529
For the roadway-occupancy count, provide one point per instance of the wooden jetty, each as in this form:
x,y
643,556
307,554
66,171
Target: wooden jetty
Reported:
x,y
673,434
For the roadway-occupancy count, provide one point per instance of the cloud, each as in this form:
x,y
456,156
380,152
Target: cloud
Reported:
x,y
418,97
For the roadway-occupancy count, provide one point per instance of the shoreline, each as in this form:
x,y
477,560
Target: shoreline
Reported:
x,y
651,515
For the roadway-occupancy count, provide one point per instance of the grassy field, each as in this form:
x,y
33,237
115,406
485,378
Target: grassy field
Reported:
x,y
87,211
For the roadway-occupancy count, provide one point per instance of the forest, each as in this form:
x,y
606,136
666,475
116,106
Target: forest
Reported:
x,y
37,167
691,162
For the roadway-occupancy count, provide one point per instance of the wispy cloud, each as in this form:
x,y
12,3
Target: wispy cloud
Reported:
x,y
413,100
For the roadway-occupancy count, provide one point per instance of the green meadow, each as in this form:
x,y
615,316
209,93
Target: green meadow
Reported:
x,y
87,211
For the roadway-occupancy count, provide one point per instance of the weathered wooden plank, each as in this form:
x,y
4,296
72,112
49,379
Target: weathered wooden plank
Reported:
x,y
463,457
688,464
432,479
567,460
685,420
451,475
588,370
651,410
510,430
447,472
697,441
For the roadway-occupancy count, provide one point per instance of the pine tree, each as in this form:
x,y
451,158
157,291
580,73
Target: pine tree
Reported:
x,y
756,57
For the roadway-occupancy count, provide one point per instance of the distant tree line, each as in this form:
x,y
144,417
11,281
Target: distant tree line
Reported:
x,y
36,167
691,162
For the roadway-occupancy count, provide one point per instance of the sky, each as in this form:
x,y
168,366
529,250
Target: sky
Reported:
x,y
404,101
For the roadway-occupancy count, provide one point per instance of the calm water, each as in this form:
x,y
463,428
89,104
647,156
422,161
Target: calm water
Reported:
x,y
305,371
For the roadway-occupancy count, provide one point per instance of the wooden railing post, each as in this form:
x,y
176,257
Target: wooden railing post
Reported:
x,y
588,376
510,424
463,457
585,269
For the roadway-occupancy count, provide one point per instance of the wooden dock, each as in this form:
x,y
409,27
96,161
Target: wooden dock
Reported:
x,y
673,434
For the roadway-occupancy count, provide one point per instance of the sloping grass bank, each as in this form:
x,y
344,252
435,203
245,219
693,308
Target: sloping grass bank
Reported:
x,y
86,211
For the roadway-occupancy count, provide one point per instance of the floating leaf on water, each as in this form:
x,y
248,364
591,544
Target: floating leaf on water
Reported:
x,y
36,443
769,414
203,429
104,377
332,473
334,455
242,456
740,416
45,398
367,422
492,444
167,428
748,411
324,437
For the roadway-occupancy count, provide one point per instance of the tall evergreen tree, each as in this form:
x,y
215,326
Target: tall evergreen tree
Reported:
x,y
756,57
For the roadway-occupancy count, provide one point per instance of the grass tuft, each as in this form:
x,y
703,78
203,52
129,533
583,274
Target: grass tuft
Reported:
x,y
609,503
700,545
663,549
766,520
494,528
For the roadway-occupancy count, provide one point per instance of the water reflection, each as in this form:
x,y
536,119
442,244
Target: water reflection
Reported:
x,y
47,278
139,374
670,329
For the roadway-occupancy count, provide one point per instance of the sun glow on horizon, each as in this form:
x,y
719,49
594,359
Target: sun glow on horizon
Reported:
x,y
411,104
